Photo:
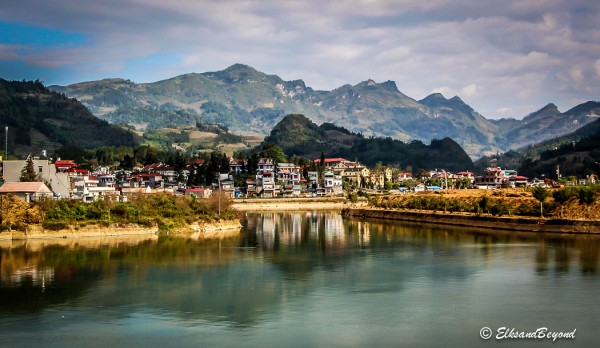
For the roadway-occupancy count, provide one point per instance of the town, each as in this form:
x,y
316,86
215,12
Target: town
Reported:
x,y
63,179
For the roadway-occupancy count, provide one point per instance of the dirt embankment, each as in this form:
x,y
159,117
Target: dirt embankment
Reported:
x,y
196,230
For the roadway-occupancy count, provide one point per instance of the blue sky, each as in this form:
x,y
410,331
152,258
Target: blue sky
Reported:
x,y
504,58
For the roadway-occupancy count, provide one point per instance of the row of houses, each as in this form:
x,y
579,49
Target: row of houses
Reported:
x,y
65,180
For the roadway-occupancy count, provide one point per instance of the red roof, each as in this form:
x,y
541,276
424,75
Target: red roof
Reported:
x,y
65,163
331,160
74,170
518,177
195,189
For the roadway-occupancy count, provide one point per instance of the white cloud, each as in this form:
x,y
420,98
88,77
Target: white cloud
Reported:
x,y
504,111
469,90
519,53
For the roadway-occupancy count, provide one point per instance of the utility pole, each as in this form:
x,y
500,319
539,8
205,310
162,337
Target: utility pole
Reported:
x,y
6,142
219,183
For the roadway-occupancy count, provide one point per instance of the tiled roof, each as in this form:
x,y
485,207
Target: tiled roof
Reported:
x,y
10,187
330,160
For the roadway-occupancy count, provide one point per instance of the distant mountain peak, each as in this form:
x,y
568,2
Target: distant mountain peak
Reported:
x,y
548,109
549,106
433,97
457,99
238,67
389,84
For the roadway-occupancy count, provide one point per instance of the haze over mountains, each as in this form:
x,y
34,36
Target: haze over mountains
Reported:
x,y
247,100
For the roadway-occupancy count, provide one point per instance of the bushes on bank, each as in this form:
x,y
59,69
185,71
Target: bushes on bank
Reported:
x,y
579,200
162,210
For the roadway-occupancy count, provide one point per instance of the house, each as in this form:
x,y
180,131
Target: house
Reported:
x,y
237,165
265,165
200,192
466,175
288,173
27,191
265,184
313,180
226,185
148,180
403,177
492,178
250,187
64,165
45,170
331,162
167,172
352,172
332,183
517,181
87,188
106,180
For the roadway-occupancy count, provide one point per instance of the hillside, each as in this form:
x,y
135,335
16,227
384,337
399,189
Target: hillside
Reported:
x,y
249,101
297,135
576,154
39,119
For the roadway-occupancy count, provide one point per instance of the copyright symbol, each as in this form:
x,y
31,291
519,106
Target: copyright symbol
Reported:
x,y
485,333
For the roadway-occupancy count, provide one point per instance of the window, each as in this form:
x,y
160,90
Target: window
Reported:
x,y
39,169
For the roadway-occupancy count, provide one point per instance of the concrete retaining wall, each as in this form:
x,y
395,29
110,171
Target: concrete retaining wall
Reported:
x,y
502,223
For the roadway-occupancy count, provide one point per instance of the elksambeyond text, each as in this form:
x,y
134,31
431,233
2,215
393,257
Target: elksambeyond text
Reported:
x,y
542,333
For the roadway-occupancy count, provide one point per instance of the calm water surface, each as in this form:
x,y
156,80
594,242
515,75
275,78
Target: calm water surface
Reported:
x,y
301,279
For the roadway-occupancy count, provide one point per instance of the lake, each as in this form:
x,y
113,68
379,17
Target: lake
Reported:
x,y
302,279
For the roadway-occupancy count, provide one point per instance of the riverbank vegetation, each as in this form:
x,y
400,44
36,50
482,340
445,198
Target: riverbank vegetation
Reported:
x,y
567,203
166,212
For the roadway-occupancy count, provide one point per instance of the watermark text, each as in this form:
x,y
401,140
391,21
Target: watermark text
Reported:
x,y
542,333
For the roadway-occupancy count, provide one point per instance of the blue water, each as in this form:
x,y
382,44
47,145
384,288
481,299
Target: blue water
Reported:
x,y
302,279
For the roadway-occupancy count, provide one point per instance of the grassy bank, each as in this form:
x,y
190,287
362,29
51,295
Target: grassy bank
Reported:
x,y
566,203
165,212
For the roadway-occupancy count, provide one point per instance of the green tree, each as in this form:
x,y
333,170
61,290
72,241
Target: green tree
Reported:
x,y
587,196
561,197
540,194
273,151
28,172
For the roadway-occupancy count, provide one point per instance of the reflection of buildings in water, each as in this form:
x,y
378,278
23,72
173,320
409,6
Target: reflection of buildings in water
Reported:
x,y
291,228
364,233
334,230
265,230
39,276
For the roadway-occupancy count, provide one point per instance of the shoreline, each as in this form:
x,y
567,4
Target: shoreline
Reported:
x,y
293,204
520,224
194,231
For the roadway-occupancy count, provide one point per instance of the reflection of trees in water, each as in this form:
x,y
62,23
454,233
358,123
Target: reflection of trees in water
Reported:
x,y
279,257
555,253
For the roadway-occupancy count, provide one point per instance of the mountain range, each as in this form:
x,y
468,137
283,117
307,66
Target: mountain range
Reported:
x,y
249,101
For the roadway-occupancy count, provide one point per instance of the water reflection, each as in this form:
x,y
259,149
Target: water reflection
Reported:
x,y
277,260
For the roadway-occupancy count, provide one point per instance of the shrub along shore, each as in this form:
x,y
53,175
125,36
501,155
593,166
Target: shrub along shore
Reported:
x,y
565,210
160,212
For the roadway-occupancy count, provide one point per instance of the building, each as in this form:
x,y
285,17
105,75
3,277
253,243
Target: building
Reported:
x,y
200,192
492,178
45,170
265,165
27,191
332,183
288,173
